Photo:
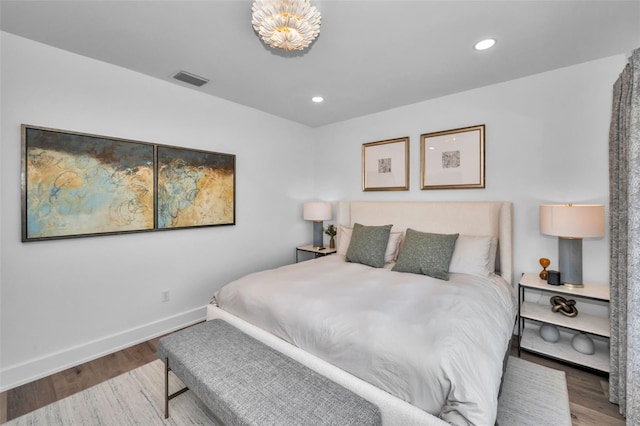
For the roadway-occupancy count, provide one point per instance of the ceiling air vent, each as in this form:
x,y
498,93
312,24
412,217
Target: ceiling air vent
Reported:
x,y
190,78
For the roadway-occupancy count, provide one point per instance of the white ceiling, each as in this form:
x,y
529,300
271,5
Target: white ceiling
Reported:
x,y
370,56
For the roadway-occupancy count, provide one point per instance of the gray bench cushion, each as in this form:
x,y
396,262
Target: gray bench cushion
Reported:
x,y
245,382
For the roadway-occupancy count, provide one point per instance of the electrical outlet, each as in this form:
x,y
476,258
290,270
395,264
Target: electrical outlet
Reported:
x,y
165,295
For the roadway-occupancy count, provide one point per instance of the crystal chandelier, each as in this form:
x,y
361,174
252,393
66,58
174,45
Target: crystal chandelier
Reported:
x,y
286,24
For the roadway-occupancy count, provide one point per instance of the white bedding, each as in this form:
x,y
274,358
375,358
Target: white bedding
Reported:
x,y
436,344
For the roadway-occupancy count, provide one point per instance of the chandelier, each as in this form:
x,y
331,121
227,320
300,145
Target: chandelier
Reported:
x,y
286,24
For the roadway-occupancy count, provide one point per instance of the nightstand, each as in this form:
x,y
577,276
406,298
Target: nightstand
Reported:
x,y
316,251
531,315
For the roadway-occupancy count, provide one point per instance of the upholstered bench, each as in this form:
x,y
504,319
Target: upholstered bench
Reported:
x,y
245,382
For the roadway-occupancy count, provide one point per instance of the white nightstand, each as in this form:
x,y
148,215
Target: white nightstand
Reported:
x,y
532,315
316,251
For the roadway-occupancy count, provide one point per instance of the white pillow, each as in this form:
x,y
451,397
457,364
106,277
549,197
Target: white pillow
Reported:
x,y
471,256
344,238
392,246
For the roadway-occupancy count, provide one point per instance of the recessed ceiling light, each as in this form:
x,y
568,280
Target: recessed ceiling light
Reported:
x,y
484,44
317,99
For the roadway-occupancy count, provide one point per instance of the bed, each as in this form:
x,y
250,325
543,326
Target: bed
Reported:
x,y
425,350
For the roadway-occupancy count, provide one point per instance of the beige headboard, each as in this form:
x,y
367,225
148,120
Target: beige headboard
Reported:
x,y
466,218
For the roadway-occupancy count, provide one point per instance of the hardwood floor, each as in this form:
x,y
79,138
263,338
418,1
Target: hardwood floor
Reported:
x,y
37,394
588,393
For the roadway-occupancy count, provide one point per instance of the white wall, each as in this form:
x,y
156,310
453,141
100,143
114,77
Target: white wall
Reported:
x,y
546,142
66,301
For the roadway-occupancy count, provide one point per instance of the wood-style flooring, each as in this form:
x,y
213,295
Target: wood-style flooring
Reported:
x,y
588,393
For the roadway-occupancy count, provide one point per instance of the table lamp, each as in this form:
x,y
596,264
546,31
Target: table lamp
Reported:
x,y
317,212
571,223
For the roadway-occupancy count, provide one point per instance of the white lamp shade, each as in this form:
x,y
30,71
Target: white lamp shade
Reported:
x,y
317,211
572,220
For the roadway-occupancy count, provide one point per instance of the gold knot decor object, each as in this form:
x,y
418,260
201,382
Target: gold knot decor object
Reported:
x,y
286,24
544,262
564,306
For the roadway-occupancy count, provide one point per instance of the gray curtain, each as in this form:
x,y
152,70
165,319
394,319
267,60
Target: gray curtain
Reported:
x,y
624,206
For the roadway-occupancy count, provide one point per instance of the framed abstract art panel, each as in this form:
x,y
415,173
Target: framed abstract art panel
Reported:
x,y
385,165
78,184
453,159
195,188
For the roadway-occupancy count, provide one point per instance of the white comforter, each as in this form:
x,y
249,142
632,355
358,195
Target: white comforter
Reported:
x,y
436,344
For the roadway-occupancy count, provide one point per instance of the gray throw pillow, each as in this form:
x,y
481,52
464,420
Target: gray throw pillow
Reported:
x,y
426,253
368,245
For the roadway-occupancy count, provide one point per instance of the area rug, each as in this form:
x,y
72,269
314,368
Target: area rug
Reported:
x,y
531,395
134,398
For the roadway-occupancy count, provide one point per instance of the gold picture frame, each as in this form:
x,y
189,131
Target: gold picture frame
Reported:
x,y
385,165
453,159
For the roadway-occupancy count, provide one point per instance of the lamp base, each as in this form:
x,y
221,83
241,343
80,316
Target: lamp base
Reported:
x,y
318,238
570,261
571,285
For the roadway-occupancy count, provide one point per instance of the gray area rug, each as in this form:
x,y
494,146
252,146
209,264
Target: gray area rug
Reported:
x,y
133,398
531,395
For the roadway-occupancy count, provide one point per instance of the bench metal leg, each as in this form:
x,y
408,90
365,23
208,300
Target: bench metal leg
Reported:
x,y
166,388
168,397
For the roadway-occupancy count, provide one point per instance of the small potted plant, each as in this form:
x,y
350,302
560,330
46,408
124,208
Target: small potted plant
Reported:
x,y
331,231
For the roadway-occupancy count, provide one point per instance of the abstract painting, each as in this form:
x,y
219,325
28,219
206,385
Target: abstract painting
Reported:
x,y
195,188
78,184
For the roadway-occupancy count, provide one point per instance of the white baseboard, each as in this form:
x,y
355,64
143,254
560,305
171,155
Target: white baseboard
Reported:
x,y
34,369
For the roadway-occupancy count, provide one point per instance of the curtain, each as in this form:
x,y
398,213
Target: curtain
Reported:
x,y
624,211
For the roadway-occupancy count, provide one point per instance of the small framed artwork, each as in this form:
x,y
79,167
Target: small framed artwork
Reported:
x,y
453,159
385,165
78,184
195,188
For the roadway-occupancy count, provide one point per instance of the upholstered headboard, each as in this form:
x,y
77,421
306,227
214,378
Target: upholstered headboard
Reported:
x,y
492,218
